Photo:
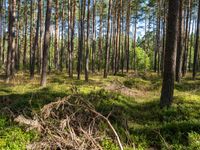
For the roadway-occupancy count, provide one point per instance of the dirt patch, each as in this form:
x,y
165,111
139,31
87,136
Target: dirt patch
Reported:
x,y
118,87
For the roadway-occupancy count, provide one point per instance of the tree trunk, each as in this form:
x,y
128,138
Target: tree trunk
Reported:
x,y
35,44
180,43
186,41
56,49
170,54
1,31
134,39
191,46
72,26
87,49
196,49
31,33
94,36
62,41
81,37
100,40
117,48
164,39
127,45
11,40
157,49
107,42
17,39
46,44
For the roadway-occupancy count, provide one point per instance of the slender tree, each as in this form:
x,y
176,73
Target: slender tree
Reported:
x,y
88,47
35,44
107,41
81,37
11,40
46,44
56,49
25,36
196,49
180,43
170,54
93,36
1,31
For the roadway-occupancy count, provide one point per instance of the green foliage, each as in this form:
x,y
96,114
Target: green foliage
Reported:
x,y
137,83
13,137
109,145
142,59
194,140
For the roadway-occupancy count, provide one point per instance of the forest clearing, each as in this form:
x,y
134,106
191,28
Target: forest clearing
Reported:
x,y
99,75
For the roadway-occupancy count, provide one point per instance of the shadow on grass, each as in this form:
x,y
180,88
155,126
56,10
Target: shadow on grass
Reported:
x,y
30,100
146,122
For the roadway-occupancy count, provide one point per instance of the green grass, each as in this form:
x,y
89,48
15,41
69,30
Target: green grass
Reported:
x,y
138,119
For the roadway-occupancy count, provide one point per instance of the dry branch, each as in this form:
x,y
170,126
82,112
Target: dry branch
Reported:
x,y
68,123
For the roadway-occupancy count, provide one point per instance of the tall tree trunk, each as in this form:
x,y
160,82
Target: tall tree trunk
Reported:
x,y
17,39
31,33
62,40
117,49
100,40
157,49
69,35
81,37
164,39
121,65
25,36
196,49
1,31
94,36
87,49
186,41
134,39
180,43
191,46
107,42
46,44
11,40
56,49
72,26
35,44
127,45
41,36
14,37
170,54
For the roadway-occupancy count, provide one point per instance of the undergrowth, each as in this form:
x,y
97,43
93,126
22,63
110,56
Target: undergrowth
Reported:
x,y
139,120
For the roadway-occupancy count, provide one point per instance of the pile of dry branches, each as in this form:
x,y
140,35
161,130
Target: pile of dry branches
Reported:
x,y
68,123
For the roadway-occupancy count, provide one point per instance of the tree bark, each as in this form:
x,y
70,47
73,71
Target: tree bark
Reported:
x,y
180,43
56,49
170,54
11,40
46,44
107,41
87,49
81,37
196,49
35,44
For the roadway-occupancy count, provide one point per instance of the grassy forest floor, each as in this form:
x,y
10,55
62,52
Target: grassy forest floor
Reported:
x,y
132,99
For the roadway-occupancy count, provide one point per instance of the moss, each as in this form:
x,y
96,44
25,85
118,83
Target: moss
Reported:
x,y
13,137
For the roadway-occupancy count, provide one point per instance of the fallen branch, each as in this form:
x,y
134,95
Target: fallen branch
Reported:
x,y
34,124
69,123
111,127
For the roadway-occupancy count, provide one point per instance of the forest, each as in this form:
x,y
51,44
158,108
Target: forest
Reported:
x,y
99,75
